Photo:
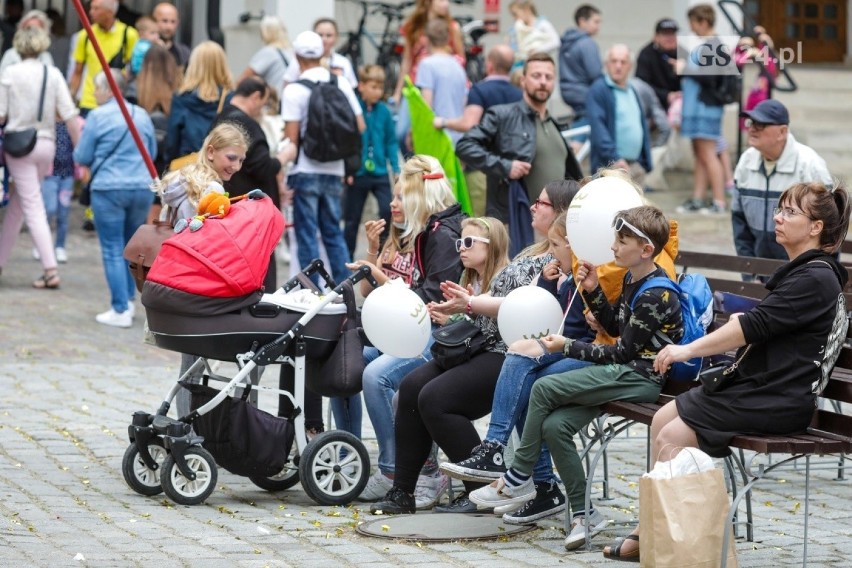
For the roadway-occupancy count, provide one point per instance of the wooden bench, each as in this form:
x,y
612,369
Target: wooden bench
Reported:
x,y
830,433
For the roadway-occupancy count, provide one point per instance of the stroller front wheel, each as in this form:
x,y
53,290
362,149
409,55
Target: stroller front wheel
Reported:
x,y
137,474
334,468
185,491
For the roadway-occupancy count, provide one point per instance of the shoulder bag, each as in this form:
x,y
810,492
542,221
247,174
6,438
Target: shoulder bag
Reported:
x,y
143,247
191,158
458,342
19,143
341,374
719,377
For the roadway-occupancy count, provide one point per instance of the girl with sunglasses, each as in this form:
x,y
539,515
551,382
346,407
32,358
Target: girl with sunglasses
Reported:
x,y
420,250
482,250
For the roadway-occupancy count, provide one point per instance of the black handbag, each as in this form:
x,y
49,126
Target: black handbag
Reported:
x,y
719,377
342,373
19,143
457,343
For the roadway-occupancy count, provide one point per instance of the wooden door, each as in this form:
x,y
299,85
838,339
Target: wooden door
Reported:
x,y
814,30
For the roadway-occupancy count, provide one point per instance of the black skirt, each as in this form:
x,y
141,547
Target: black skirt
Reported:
x,y
742,408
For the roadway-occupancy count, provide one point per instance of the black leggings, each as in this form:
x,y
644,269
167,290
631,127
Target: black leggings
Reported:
x,y
439,405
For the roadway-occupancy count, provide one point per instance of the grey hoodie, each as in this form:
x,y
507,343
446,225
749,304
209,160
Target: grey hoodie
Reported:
x,y
174,196
579,67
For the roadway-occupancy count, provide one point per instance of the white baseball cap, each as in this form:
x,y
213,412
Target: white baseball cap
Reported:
x,y
308,45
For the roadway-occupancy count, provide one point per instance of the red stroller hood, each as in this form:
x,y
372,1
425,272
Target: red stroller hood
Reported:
x,y
227,257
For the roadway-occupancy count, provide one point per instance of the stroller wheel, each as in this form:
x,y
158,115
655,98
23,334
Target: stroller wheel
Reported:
x,y
284,479
140,477
334,468
184,491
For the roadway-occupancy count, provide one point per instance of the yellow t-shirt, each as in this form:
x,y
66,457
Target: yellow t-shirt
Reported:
x,y
110,42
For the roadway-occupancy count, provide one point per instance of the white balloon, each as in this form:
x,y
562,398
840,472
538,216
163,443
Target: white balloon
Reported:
x,y
590,215
396,321
528,312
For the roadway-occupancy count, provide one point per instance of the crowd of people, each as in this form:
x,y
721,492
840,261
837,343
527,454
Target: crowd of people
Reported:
x,y
206,132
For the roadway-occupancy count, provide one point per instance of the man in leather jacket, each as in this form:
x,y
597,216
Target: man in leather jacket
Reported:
x,y
520,141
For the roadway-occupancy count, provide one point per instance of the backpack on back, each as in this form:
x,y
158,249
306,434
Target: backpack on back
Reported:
x,y
696,305
332,130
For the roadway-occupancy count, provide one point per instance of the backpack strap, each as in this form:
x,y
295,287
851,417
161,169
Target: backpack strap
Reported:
x,y
659,339
655,282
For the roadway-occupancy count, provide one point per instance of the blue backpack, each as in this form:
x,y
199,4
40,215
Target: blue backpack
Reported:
x,y
696,305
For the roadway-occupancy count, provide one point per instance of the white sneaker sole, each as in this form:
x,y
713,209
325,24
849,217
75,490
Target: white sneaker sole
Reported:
x,y
466,474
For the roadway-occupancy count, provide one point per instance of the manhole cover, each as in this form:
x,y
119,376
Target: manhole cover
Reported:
x,y
440,527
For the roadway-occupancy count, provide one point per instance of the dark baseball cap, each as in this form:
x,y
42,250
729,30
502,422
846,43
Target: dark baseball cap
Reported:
x,y
769,111
667,25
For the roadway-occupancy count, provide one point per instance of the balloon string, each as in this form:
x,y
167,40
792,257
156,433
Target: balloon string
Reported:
x,y
568,310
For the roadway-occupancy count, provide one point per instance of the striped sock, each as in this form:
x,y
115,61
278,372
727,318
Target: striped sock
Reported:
x,y
514,478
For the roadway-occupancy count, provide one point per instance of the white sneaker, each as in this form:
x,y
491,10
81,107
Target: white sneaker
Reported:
x,y
61,255
429,489
115,319
131,309
580,525
36,255
498,494
377,487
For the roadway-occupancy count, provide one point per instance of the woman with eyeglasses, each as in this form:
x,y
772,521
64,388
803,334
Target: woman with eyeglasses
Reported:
x,y
421,251
792,337
438,404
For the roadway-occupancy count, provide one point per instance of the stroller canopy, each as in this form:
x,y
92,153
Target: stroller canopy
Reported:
x,y
227,257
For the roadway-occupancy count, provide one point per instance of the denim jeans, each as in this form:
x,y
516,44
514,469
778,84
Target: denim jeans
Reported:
x,y
512,396
57,193
382,378
316,207
118,213
353,204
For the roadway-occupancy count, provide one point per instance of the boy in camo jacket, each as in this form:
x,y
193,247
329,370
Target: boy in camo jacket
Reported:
x,y
561,405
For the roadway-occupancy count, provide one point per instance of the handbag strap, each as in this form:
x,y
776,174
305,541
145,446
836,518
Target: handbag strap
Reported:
x,y
111,152
348,293
41,97
740,358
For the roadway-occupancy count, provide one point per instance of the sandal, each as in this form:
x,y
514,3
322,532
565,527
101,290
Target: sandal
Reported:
x,y
613,551
48,281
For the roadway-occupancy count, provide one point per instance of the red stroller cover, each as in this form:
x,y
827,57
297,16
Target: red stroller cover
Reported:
x,y
227,257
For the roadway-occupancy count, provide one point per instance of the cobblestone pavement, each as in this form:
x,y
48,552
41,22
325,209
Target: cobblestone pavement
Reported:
x,y
70,386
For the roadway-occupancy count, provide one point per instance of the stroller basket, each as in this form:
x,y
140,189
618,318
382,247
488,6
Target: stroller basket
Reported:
x,y
243,439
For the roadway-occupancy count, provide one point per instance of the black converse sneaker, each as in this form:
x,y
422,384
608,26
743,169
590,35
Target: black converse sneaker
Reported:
x,y
396,502
485,464
548,501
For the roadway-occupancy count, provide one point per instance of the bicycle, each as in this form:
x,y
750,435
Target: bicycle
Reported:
x,y
389,49
474,53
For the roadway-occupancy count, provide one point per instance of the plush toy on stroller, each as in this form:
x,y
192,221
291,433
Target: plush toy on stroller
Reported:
x,y
203,297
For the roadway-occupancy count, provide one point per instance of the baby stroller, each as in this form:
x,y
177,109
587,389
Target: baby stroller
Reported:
x,y
180,456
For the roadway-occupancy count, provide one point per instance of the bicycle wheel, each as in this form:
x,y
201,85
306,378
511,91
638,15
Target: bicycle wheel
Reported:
x,y
392,65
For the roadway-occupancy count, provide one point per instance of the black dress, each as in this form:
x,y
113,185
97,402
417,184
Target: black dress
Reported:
x,y
796,334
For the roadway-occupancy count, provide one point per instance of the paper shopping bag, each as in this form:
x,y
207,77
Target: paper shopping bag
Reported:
x,y
682,521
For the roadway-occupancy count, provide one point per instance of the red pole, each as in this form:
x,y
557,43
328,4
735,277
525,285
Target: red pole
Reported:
x,y
84,19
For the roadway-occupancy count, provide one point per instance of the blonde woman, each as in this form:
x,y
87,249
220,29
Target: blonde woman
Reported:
x,y
220,156
199,99
271,61
420,250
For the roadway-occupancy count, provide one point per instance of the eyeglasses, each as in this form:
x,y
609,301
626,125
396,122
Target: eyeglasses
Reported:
x,y
539,202
759,126
467,242
789,213
619,223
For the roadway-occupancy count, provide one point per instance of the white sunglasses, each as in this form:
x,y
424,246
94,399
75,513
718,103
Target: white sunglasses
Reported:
x,y
467,242
619,223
